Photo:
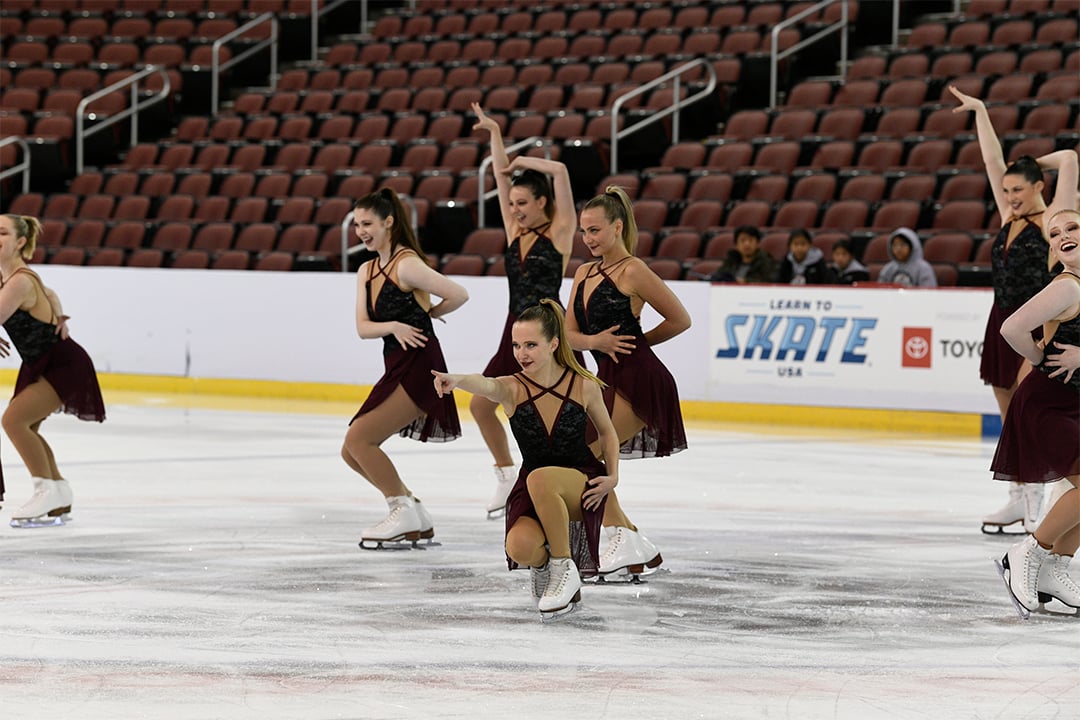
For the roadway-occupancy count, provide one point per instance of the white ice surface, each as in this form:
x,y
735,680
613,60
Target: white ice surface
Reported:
x,y
212,571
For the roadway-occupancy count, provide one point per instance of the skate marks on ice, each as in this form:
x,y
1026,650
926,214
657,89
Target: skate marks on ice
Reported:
x,y
234,588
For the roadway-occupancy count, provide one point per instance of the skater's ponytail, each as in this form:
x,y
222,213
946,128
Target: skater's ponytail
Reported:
x,y
29,228
552,324
386,203
617,206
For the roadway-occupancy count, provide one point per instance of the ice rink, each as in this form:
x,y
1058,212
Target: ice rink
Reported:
x,y
211,571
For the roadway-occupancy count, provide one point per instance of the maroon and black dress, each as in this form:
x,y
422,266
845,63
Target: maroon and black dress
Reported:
x,y
408,367
549,426
532,278
63,363
639,377
1019,272
1040,438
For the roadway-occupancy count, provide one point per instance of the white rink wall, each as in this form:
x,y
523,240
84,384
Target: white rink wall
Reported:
x,y
880,348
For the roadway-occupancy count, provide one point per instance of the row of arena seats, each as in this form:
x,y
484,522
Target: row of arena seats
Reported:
x,y
905,64
164,8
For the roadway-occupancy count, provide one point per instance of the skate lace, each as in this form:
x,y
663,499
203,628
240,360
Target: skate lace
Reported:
x,y
555,589
1060,574
613,547
389,519
1031,570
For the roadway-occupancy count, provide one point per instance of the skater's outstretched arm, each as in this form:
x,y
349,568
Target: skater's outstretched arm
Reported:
x,y
497,390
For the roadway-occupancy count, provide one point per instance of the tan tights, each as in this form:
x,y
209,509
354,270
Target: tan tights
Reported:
x,y
556,495
361,450
1060,529
627,425
21,422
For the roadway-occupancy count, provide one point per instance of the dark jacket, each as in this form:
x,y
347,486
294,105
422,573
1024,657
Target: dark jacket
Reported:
x,y
812,271
762,269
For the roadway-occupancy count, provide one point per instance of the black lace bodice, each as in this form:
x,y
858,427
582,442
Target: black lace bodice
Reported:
x,y
393,303
606,307
1019,272
30,336
1068,332
564,444
536,276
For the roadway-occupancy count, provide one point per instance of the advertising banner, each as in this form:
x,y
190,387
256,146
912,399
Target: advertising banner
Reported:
x,y
882,347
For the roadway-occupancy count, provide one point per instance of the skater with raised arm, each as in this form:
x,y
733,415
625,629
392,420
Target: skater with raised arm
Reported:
x,y
393,302
1019,270
554,510
539,217
608,295
1040,440
55,374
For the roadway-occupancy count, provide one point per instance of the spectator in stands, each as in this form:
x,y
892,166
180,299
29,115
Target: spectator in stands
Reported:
x,y
906,265
1020,269
804,264
56,373
846,269
540,220
747,262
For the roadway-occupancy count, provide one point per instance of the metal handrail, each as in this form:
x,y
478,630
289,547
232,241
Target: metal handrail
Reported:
x,y
481,196
346,251
81,132
676,106
23,167
896,19
216,66
775,57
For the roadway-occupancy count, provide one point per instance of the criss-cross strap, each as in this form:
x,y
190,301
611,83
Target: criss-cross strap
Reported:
x,y
534,391
42,296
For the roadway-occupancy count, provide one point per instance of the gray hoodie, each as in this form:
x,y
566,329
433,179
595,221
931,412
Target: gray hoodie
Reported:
x,y
913,272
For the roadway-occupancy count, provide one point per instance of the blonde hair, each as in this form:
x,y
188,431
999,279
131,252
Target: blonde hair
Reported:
x,y
29,228
617,206
552,324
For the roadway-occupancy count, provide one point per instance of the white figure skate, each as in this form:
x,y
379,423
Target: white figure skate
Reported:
x,y
49,506
427,525
1008,515
563,591
1019,568
629,555
505,477
402,525
1054,583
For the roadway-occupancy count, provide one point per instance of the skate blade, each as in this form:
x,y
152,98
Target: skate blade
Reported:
x,y
1047,601
547,616
992,529
401,544
496,514
1023,611
40,522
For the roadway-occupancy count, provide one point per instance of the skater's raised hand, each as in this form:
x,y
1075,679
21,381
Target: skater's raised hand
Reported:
x,y
1066,362
613,345
408,336
966,101
597,488
483,122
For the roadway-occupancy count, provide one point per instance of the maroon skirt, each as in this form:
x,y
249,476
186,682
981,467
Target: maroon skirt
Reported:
x,y
647,385
1040,438
70,371
584,534
411,369
1000,364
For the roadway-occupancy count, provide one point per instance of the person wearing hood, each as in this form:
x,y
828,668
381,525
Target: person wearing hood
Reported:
x,y
906,265
845,268
804,264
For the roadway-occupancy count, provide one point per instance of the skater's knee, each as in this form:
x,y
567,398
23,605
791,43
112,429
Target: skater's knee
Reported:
x,y
525,546
540,482
481,407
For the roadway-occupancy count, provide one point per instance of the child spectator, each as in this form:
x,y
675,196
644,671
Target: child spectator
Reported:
x,y
804,264
846,269
747,262
906,265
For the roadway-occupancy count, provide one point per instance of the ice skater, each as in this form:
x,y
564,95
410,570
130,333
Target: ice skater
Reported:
x,y
1019,270
540,221
1040,439
393,302
608,295
55,374
554,510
